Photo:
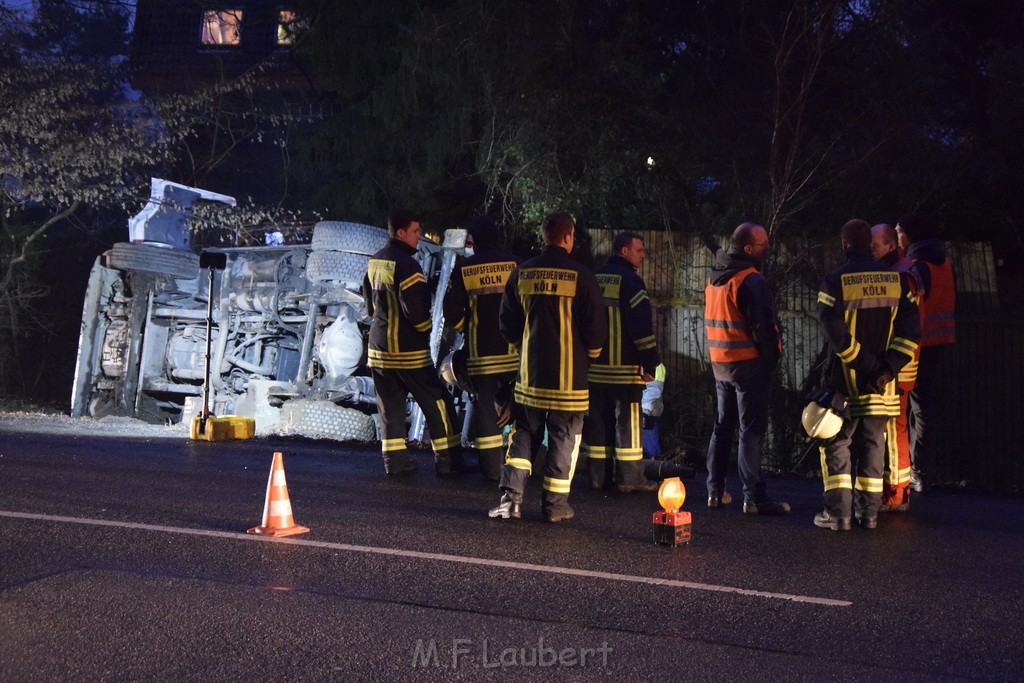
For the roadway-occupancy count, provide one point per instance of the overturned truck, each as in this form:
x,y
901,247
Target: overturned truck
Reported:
x,y
287,332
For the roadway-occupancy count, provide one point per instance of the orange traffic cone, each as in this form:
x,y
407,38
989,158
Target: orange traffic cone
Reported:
x,y
277,513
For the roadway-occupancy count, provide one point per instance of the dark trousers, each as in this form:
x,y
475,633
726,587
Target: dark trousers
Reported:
x,y
486,433
742,404
393,388
612,434
923,409
859,447
564,435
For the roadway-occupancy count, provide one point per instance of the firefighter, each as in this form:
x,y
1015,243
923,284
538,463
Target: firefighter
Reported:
x,y
937,300
617,377
872,328
896,481
398,301
553,311
471,305
744,345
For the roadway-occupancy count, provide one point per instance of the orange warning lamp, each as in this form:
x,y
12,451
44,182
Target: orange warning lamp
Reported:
x,y
671,494
671,526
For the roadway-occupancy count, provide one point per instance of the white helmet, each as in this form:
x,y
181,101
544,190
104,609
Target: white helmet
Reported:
x,y
453,370
820,422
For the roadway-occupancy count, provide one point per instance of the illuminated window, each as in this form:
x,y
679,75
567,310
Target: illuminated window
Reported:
x,y
289,26
222,27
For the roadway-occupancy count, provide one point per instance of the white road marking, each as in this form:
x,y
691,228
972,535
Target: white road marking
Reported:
x,y
479,561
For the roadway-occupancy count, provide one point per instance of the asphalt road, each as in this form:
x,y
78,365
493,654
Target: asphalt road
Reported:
x,y
126,559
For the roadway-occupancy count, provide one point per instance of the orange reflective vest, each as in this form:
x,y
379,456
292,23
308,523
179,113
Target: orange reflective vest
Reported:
x,y
729,338
938,309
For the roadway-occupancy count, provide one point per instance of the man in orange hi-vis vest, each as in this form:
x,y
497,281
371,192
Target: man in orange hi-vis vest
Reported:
x,y
745,346
937,301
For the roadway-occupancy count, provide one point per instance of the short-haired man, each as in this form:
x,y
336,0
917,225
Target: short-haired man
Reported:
x,y
937,281
471,305
872,328
618,376
552,310
398,301
744,345
896,485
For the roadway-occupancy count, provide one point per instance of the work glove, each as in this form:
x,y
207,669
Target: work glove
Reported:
x,y
878,378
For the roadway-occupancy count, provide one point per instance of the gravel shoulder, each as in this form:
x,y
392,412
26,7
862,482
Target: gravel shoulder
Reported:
x,y
58,423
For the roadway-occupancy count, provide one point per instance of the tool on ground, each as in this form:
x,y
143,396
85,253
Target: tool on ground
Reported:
x,y
207,427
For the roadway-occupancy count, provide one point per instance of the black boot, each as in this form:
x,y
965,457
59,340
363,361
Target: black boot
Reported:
x,y
510,507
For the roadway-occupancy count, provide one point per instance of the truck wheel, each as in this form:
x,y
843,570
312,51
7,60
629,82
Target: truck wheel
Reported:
x,y
179,264
354,238
336,266
325,420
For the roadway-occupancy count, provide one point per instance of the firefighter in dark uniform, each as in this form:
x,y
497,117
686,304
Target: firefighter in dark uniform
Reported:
x,y
612,428
398,301
934,272
896,482
552,309
872,327
471,305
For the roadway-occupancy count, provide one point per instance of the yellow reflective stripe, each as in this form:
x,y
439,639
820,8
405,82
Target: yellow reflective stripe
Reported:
x,y
826,299
524,347
485,442
556,485
596,452
392,321
629,454
839,481
474,325
411,280
444,416
575,456
593,353
850,352
634,428
892,454
868,484
552,404
520,464
640,296
388,445
646,343
565,343
400,355
423,326
445,442
570,394
904,476
904,346
614,335
459,325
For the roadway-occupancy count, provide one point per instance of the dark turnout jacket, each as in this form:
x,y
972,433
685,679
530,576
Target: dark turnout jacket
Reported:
x,y
631,345
472,305
553,312
398,302
871,324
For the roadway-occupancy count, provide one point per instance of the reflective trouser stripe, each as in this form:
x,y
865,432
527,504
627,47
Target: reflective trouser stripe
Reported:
x,y
520,464
595,452
562,485
869,484
485,442
390,445
635,450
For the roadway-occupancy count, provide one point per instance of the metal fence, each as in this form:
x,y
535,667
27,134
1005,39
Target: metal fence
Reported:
x,y
981,424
